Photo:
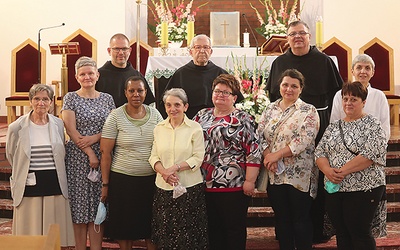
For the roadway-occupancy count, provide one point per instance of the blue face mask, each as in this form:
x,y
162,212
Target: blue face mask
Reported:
x,y
101,214
331,187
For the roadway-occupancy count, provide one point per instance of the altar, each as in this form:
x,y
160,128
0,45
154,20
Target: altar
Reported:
x,y
160,68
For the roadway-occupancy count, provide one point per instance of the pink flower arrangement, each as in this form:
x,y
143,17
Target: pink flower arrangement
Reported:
x,y
175,13
252,85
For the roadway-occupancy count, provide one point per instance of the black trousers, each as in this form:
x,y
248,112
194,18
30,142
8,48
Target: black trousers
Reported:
x,y
227,213
292,215
351,214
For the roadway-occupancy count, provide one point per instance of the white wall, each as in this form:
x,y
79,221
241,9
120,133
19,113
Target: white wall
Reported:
x,y
22,19
356,22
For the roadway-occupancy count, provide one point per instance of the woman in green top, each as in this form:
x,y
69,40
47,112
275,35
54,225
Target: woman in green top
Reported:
x,y
128,178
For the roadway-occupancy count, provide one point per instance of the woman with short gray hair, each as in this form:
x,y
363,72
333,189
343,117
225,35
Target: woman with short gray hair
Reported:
x,y
35,150
84,112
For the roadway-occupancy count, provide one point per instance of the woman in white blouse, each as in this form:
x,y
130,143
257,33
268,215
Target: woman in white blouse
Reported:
x,y
288,128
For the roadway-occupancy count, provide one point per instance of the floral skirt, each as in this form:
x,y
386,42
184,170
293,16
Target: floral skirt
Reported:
x,y
180,223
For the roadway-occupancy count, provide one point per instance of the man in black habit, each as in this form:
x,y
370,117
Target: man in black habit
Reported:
x,y
196,77
114,73
322,81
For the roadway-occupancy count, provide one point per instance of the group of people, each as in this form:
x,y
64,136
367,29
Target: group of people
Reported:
x,y
185,182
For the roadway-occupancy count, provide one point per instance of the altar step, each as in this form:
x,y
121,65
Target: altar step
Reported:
x,y
258,238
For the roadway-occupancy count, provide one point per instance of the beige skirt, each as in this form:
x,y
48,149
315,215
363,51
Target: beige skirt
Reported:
x,y
35,215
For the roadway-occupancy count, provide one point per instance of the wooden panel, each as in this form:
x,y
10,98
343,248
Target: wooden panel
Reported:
x,y
24,67
88,47
382,55
145,51
335,47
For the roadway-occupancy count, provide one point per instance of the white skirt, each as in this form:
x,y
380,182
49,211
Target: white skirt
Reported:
x,y
34,216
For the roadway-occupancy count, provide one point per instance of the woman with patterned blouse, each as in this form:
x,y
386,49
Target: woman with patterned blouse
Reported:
x,y
84,113
230,165
352,154
288,128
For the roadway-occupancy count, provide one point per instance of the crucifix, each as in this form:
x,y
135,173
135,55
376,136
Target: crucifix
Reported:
x,y
224,24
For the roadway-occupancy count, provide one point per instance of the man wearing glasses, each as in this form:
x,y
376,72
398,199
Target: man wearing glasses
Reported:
x,y
197,76
114,73
322,81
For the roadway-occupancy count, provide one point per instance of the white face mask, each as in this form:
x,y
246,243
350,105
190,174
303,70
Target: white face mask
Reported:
x,y
94,175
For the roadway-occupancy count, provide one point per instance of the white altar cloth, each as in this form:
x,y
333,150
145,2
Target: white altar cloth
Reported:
x,y
216,51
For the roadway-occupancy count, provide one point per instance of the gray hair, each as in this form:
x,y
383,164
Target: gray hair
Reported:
x,y
36,88
177,92
84,61
197,37
364,58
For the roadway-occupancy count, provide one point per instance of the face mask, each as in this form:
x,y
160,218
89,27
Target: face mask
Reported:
x,y
178,191
331,187
94,175
100,216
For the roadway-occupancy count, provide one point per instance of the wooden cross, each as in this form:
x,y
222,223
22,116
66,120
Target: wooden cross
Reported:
x,y
224,24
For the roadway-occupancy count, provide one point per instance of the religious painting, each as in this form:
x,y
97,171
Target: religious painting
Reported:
x,y
225,29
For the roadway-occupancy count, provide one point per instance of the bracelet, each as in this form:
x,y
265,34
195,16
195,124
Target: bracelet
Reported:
x,y
179,167
104,184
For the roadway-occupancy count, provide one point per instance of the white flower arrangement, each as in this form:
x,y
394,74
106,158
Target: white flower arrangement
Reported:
x,y
175,33
254,104
274,29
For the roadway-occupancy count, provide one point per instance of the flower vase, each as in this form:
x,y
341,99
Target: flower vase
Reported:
x,y
175,44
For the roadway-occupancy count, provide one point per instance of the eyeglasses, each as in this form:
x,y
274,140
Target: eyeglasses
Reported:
x,y
38,99
224,93
117,50
199,47
301,33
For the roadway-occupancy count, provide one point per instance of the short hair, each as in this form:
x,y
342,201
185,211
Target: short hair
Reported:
x,y
228,80
364,58
134,79
355,89
84,61
297,22
119,35
293,73
36,88
177,92
197,37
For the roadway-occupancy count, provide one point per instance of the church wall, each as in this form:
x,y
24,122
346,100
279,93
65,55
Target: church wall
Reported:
x,y
357,22
22,19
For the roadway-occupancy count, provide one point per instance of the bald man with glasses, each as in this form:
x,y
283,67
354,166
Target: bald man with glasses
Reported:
x,y
114,73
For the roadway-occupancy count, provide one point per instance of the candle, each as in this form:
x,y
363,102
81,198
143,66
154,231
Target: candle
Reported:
x,y
190,29
318,32
246,39
164,34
